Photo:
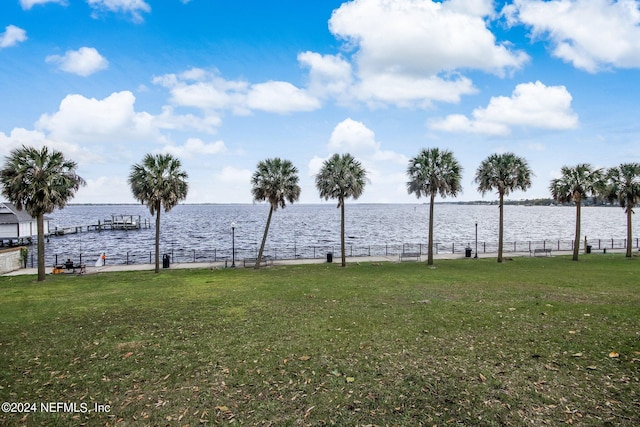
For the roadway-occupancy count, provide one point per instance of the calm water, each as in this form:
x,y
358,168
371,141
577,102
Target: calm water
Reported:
x,y
203,232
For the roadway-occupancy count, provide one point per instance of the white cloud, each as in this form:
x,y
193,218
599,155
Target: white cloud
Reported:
x,y
132,7
208,91
233,175
28,4
105,134
536,147
354,137
330,75
12,36
314,165
400,45
105,189
88,120
591,34
531,104
33,138
168,119
19,137
204,90
408,91
351,136
216,94
83,62
195,147
280,97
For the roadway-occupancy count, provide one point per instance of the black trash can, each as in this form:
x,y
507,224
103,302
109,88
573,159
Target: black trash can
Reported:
x,y
588,249
467,252
329,256
166,260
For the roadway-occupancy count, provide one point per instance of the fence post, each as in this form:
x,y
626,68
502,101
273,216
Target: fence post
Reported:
x,y
194,255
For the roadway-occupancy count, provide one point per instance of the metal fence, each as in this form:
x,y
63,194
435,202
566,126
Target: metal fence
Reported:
x,y
187,255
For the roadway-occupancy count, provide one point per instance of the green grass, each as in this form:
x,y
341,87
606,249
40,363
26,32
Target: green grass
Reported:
x,y
470,342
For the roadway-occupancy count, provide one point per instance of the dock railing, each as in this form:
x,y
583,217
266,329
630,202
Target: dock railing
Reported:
x,y
199,255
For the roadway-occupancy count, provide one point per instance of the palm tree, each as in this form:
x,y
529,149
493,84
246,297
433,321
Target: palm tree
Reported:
x,y
275,181
39,181
431,172
575,184
624,187
156,182
341,177
504,173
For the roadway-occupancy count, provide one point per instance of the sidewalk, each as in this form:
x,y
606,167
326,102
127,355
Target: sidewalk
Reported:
x,y
239,263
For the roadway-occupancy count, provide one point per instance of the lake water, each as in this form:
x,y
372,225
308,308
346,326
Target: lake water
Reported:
x,y
203,232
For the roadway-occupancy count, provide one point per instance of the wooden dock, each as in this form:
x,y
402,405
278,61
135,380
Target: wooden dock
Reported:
x,y
116,222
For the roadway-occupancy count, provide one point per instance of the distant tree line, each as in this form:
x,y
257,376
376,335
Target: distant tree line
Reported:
x,y
591,201
40,181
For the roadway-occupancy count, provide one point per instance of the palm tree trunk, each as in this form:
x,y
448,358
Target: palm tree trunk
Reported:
x,y
500,227
576,245
157,237
344,258
430,255
264,239
40,226
629,231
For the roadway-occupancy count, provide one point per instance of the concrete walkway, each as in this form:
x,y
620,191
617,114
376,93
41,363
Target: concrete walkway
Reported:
x,y
336,260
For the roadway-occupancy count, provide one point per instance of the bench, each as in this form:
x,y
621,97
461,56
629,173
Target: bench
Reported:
x,y
81,267
415,256
69,268
544,251
251,262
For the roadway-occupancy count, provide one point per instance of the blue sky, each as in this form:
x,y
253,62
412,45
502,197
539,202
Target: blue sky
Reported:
x,y
224,84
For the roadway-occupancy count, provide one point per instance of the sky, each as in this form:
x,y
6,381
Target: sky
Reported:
x,y
224,84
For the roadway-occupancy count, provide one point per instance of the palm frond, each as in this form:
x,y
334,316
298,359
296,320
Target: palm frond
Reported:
x,y
341,177
504,173
434,172
39,181
276,181
159,178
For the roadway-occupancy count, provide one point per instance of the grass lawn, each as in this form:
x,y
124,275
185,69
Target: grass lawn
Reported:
x,y
533,341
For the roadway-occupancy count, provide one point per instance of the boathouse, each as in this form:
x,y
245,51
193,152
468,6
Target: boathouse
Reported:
x,y
17,226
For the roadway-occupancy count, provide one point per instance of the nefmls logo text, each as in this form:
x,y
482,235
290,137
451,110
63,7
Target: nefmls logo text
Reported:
x,y
66,407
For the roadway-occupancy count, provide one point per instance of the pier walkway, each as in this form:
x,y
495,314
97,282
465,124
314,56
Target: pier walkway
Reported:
x,y
117,222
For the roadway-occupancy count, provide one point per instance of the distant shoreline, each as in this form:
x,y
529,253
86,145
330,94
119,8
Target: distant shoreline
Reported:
x,y
524,202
